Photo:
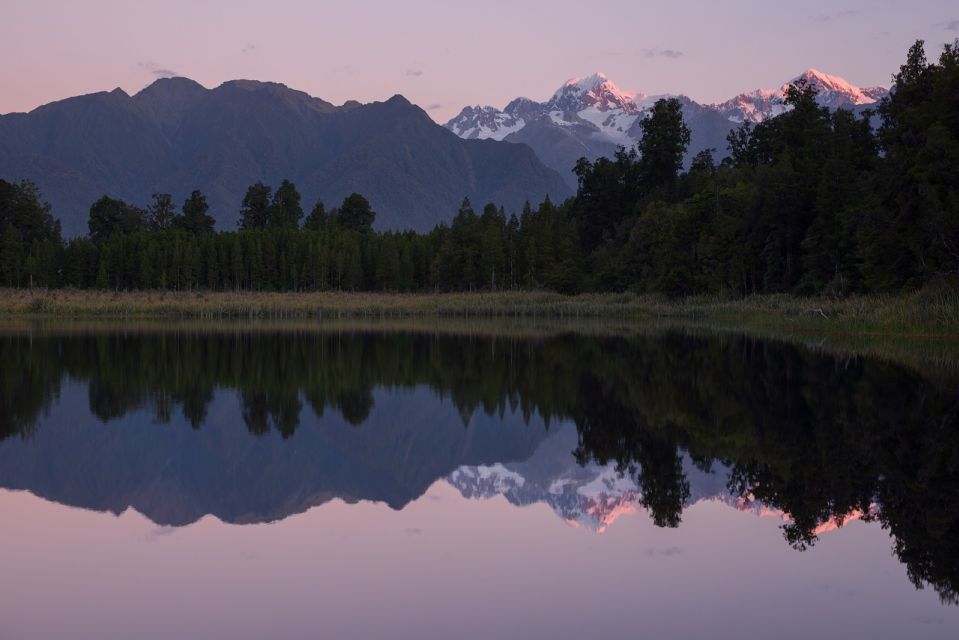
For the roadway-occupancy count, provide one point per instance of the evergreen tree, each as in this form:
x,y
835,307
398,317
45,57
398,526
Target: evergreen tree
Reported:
x,y
110,215
492,252
255,211
285,210
920,138
195,218
317,219
662,144
11,257
355,214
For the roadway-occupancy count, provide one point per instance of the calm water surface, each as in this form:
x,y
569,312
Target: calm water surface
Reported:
x,y
247,481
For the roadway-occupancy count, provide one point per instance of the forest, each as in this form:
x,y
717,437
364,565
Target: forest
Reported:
x,y
808,202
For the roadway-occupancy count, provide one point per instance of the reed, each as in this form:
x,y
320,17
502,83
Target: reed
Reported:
x,y
916,314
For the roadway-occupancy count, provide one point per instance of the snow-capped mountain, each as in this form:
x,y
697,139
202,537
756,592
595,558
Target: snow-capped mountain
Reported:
x,y
834,93
591,117
596,91
481,123
593,102
587,116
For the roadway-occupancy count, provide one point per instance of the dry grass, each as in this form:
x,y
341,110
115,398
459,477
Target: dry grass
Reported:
x,y
901,315
217,305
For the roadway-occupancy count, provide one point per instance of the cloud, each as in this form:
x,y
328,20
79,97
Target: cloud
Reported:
x,y
413,531
157,70
414,73
832,17
434,106
250,48
952,25
672,54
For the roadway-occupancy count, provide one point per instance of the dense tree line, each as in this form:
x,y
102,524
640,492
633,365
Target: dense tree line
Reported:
x,y
807,202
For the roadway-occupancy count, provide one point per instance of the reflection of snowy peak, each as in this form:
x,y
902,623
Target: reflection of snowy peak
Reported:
x,y
594,496
590,496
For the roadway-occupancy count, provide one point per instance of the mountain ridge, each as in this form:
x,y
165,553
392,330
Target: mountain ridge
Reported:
x,y
175,136
591,116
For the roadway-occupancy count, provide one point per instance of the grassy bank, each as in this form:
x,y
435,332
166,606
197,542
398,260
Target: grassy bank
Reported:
x,y
907,314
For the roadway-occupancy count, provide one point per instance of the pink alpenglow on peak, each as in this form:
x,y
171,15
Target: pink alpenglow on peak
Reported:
x,y
834,93
596,91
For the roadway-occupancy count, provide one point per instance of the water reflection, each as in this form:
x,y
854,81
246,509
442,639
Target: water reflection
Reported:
x,y
590,424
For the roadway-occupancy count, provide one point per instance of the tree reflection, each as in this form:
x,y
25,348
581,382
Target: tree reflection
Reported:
x,y
813,435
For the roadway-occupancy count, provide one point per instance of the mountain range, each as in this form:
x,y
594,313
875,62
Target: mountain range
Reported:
x,y
175,136
591,117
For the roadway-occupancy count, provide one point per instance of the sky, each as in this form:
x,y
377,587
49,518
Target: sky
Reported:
x,y
445,55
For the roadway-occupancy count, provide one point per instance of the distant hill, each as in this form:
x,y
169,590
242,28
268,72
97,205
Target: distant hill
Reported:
x,y
176,136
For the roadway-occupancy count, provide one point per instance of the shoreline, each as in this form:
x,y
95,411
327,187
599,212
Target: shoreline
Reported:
x,y
906,315
909,330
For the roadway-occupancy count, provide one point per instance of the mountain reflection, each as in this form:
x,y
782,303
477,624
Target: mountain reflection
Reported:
x,y
381,415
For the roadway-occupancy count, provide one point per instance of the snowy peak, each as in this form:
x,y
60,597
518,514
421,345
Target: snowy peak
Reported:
x,y
834,93
593,102
754,106
595,91
825,82
876,93
484,123
590,116
588,83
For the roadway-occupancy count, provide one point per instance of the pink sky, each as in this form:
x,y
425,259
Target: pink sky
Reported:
x,y
444,55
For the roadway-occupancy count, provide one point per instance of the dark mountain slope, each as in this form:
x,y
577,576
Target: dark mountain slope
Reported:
x,y
176,136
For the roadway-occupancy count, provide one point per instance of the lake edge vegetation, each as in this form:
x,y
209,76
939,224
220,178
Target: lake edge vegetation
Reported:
x,y
919,314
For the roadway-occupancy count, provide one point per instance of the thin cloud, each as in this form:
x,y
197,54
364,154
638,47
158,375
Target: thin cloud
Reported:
x,y
833,17
671,54
414,73
952,25
250,48
434,106
158,71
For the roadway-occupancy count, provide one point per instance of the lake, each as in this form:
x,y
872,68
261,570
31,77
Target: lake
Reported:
x,y
471,480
